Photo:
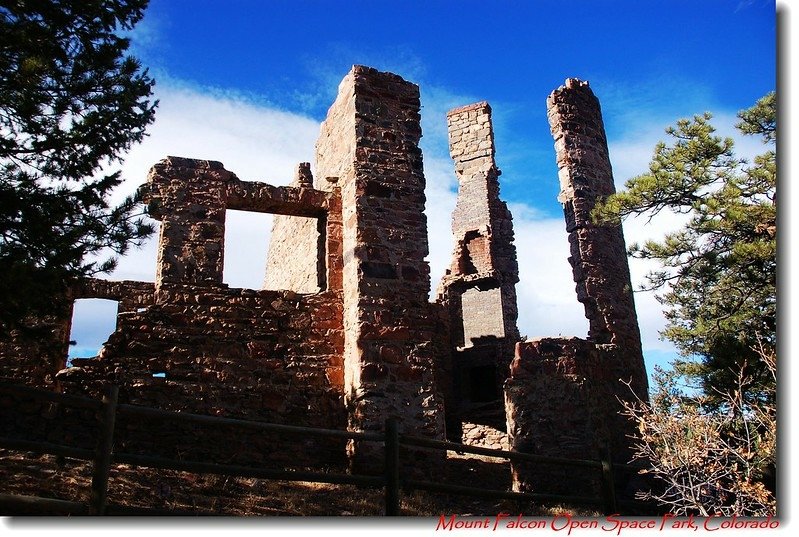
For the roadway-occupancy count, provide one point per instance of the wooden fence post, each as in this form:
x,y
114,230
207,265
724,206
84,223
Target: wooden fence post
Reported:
x,y
608,486
392,467
102,458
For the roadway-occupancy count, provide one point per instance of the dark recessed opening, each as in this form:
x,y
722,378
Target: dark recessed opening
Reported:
x,y
483,384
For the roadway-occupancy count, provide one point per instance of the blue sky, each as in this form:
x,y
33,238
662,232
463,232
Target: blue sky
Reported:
x,y
247,82
646,59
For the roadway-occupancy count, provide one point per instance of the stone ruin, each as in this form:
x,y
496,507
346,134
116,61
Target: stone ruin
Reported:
x,y
343,334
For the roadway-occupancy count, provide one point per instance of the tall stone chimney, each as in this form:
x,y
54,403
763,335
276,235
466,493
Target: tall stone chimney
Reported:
x,y
369,143
598,253
479,289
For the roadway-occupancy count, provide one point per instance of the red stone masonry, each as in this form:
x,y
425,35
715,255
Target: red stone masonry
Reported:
x,y
344,335
189,197
479,289
598,253
558,399
356,348
563,395
189,342
369,142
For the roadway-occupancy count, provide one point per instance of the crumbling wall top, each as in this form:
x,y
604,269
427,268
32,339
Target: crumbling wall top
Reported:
x,y
471,137
482,106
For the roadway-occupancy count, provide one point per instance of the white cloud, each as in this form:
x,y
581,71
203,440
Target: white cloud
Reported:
x,y
255,142
630,155
246,245
441,196
639,229
261,143
546,294
547,298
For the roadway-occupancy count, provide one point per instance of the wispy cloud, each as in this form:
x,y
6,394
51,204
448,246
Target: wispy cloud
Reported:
x,y
256,142
441,196
259,142
632,147
744,4
149,37
660,98
322,72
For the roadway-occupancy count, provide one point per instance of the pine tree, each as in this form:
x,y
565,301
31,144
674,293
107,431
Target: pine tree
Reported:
x,y
718,281
72,102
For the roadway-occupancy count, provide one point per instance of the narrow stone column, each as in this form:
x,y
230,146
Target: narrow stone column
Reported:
x,y
562,398
189,197
479,289
369,141
482,224
598,253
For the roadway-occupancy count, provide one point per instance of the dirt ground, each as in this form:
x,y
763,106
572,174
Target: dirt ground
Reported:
x,y
147,491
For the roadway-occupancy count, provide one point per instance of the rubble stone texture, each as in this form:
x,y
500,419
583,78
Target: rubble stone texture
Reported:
x,y
369,141
35,360
590,381
334,351
479,289
558,401
293,260
598,253
343,333
189,342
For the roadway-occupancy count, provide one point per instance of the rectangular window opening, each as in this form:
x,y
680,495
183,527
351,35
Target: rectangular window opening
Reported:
x,y
277,252
246,244
93,321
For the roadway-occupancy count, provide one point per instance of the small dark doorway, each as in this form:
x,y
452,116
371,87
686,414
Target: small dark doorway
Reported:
x,y
483,384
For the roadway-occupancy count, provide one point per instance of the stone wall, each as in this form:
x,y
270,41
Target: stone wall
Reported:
x,y
479,289
564,395
369,142
476,434
347,337
260,354
34,355
265,355
188,197
129,295
558,401
598,253
295,258
359,346
188,342
24,417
